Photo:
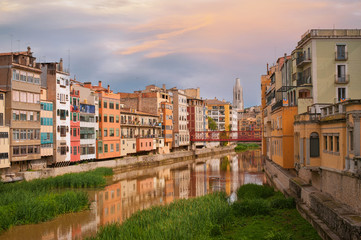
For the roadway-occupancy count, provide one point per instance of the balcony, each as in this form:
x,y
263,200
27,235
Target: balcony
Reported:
x,y
308,117
341,56
304,80
303,60
277,105
342,79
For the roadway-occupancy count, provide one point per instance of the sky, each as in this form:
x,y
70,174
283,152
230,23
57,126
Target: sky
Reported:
x,y
129,44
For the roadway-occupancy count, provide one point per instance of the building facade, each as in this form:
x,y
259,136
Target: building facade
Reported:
x,y
20,77
74,125
46,131
57,81
4,136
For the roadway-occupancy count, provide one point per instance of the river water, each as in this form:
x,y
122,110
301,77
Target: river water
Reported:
x,y
142,188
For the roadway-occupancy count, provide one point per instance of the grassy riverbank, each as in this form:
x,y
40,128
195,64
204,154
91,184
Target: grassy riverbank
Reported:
x,y
43,199
260,213
246,146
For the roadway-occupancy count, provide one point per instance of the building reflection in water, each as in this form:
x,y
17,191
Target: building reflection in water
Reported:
x,y
158,186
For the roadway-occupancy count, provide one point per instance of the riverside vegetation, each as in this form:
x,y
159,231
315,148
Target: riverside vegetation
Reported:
x,y
43,199
246,146
259,213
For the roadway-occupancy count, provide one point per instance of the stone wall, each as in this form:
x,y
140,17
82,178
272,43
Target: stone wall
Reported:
x,y
126,163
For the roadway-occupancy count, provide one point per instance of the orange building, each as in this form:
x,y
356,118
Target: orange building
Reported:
x,y
111,204
108,141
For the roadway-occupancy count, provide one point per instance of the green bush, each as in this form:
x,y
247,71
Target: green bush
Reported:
x,y
250,191
245,146
283,203
251,207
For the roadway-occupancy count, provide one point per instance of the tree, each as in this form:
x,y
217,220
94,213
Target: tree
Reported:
x,y
212,125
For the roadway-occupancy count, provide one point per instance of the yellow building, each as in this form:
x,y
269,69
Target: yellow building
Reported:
x,y
329,139
219,111
4,135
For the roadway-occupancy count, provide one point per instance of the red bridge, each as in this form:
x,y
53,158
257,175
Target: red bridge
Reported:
x,y
226,136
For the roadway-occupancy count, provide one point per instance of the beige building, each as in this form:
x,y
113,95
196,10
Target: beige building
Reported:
x,y
4,136
136,127
20,77
180,122
46,130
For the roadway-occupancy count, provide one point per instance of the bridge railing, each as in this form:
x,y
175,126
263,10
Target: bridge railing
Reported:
x,y
236,136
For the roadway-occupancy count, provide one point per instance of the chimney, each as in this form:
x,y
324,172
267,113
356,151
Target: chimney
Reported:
x,y
100,83
87,84
29,50
61,65
108,89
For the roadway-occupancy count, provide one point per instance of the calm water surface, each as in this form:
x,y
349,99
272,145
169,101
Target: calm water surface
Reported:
x,y
145,187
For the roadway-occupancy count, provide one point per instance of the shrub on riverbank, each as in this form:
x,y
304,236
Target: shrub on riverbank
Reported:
x,y
43,199
246,146
259,213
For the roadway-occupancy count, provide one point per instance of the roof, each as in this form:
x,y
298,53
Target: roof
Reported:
x,y
13,53
216,102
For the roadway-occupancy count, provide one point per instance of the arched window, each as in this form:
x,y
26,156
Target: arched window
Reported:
x,y
314,145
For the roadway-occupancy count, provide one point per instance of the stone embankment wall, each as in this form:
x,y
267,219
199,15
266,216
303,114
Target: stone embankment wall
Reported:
x,y
329,200
128,163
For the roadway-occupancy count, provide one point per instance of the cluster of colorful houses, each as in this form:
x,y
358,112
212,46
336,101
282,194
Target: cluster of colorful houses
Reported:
x,y
47,118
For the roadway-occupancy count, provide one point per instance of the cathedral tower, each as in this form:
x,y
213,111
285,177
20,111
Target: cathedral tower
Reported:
x,y
238,95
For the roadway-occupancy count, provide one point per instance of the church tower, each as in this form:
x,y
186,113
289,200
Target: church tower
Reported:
x,y
238,95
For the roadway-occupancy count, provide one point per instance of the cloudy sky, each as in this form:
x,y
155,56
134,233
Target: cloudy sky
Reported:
x,y
186,44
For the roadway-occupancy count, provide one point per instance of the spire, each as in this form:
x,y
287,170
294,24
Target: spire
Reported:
x,y
238,95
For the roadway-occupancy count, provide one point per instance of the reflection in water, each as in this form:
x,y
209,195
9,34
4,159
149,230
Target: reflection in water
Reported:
x,y
143,188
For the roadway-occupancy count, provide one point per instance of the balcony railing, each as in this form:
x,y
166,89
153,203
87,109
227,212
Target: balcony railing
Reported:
x,y
277,105
341,56
342,79
304,80
302,60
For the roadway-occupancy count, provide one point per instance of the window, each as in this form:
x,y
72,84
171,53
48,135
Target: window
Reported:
x,y
111,118
341,52
105,104
325,147
111,132
341,94
16,150
74,132
105,118
117,147
337,142
16,75
16,134
1,119
117,106
111,147
105,132
23,134
30,97
111,105
30,134
16,96
63,150
341,73
62,114
74,150
117,118
62,130
117,132
23,150
100,147
105,148
16,115
331,143
314,145
23,115
23,97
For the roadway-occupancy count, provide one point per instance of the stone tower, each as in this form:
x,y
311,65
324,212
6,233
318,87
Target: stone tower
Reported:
x,y
238,95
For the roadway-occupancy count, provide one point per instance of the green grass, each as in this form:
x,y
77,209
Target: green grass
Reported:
x,y
43,199
260,213
246,146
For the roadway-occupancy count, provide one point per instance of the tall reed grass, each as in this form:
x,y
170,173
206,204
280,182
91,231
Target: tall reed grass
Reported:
x,y
43,199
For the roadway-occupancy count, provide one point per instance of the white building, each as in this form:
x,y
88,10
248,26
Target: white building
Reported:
x,y
238,103
57,81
